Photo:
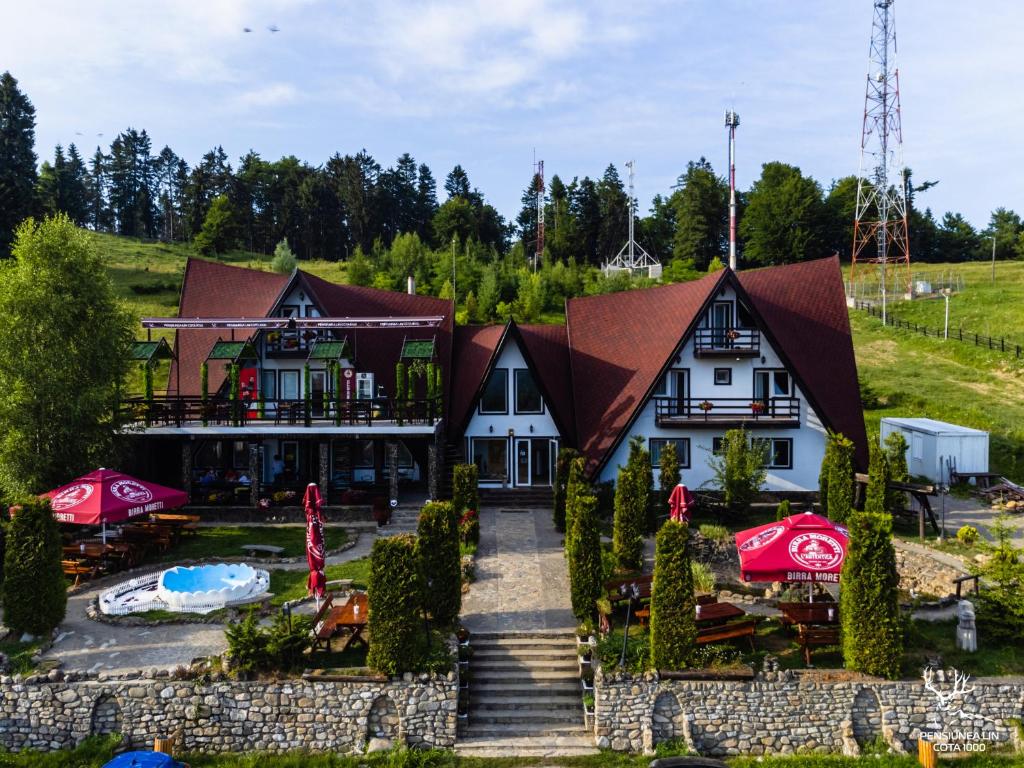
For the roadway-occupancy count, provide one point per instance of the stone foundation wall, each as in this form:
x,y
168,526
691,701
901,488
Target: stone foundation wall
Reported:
x,y
792,714
49,715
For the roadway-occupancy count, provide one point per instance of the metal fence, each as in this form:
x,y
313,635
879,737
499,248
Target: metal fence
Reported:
x,y
995,343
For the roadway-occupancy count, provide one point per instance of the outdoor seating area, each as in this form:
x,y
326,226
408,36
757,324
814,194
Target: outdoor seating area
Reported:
x,y
92,554
346,619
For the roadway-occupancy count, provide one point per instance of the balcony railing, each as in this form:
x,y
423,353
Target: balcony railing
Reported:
x,y
727,411
194,411
726,342
292,343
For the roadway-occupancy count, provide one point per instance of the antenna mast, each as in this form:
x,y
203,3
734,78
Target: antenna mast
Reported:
x,y
881,213
632,258
732,122
539,182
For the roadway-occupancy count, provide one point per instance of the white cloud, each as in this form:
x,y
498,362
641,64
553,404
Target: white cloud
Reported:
x,y
270,95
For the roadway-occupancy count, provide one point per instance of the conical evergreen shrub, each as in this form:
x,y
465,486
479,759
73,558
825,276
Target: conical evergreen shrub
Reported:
x,y
34,588
673,619
438,533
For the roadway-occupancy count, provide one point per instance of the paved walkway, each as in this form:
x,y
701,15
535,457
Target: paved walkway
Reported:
x,y
83,644
521,578
960,512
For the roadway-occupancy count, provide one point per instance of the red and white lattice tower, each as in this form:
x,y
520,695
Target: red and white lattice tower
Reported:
x,y
538,178
880,220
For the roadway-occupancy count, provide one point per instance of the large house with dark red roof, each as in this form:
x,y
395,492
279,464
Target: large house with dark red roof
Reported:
x,y
352,388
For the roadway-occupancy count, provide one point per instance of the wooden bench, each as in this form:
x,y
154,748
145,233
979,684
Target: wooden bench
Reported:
x,y
76,569
816,636
613,588
959,581
728,632
323,626
267,549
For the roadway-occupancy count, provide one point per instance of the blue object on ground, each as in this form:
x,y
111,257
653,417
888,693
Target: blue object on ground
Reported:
x,y
143,760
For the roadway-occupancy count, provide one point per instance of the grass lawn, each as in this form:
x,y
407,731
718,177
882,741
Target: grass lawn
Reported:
x,y
291,585
227,541
19,655
928,638
94,752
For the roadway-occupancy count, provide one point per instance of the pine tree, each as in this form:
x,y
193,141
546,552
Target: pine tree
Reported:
x,y
438,532
673,620
878,479
840,480
395,593
872,631
561,486
896,457
17,160
632,495
220,232
34,589
583,547
668,473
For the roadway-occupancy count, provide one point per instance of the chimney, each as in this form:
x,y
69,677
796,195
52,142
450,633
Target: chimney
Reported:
x,y
410,285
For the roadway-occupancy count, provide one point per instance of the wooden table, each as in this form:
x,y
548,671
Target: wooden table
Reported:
x,y
346,617
825,613
718,613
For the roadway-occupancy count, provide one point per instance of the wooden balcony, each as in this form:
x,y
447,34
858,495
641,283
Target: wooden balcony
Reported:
x,y
727,413
727,342
170,411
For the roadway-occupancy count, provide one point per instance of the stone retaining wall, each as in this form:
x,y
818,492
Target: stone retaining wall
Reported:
x,y
793,714
45,714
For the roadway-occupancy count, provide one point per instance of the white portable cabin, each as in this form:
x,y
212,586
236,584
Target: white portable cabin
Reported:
x,y
931,443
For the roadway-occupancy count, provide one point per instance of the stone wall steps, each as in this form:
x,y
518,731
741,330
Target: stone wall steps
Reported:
x,y
536,670
522,652
535,636
514,731
516,688
539,714
526,746
483,702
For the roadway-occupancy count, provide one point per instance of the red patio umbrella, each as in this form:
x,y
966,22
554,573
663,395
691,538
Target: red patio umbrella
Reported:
x,y
106,496
805,547
680,503
312,501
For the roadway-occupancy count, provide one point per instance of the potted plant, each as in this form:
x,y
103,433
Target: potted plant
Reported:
x,y
706,406
757,407
588,706
732,334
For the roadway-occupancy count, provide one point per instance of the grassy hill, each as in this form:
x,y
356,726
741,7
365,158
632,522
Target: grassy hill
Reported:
x,y
911,375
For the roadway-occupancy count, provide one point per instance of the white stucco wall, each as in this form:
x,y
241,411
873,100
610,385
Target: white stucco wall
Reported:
x,y
808,440
498,425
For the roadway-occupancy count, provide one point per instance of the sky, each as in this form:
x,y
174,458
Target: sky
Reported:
x,y
490,84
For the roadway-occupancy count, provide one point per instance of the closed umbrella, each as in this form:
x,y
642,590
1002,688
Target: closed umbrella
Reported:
x,y
680,503
313,504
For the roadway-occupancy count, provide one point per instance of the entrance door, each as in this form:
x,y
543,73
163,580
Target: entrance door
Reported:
x,y
681,387
317,386
522,461
540,462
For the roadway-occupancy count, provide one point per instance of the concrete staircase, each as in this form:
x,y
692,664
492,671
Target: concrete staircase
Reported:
x,y
526,498
525,697
403,520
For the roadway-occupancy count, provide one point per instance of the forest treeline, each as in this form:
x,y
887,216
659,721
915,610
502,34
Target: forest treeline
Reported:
x,y
391,221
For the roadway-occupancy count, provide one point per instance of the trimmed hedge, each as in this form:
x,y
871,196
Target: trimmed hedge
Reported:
x,y
840,479
878,480
465,490
438,533
562,465
395,593
575,486
583,547
669,477
872,630
34,589
673,619
740,469
632,497
783,510
896,454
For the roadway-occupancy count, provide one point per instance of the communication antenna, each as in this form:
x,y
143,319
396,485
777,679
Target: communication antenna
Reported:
x,y
880,221
538,177
632,257
732,122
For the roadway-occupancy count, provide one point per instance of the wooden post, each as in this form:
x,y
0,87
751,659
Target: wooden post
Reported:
x,y
926,753
166,746
920,522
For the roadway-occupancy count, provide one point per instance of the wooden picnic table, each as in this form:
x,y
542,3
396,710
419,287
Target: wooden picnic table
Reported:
x,y
122,554
184,524
823,613
717,613
160,537
348,617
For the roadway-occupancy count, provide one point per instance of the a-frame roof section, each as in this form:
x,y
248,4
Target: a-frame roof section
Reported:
x,y
803,307
619,343
211,289
545,349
